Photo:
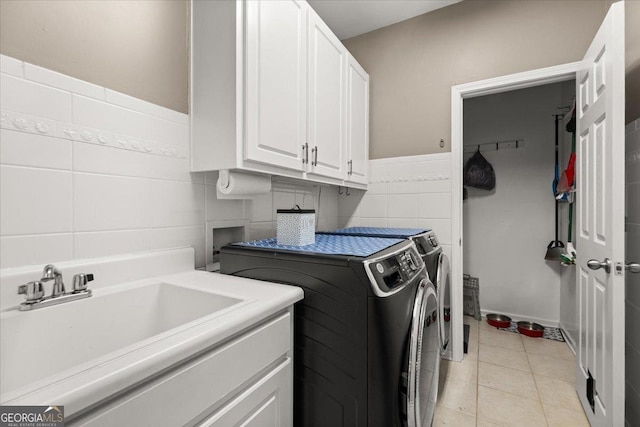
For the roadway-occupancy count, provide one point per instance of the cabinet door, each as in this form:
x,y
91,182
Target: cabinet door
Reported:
x,y
267,403
357,122
327,66
275,86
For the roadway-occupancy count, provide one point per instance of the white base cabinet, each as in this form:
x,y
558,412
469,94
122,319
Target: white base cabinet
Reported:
x,y
246,381
264,404
272,91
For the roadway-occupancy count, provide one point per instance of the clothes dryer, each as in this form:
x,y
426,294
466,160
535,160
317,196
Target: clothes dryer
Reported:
x,y
434,258
369,314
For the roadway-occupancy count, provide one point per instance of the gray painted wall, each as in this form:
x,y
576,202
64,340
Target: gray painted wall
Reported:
x,y
414,63
135,47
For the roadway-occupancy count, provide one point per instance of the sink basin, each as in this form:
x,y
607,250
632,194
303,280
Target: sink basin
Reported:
x,y
47,341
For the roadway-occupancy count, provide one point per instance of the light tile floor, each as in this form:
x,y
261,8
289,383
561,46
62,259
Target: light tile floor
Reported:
x,y
508,379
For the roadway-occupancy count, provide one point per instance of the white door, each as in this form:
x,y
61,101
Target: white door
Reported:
x,y
327,66
276,82
357,122
600,235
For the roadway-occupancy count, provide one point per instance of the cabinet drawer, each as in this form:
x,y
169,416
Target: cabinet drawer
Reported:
x,y
178,396
267,403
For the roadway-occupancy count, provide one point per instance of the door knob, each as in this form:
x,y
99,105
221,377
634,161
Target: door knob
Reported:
x,y
632,267
594,264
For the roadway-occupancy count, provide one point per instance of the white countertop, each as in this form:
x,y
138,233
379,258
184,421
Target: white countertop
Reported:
x,y
96,380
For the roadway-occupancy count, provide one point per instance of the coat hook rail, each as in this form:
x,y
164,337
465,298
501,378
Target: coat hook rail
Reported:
x,y
495,146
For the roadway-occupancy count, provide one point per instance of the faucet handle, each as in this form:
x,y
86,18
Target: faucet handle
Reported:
x,y
80,282
33,291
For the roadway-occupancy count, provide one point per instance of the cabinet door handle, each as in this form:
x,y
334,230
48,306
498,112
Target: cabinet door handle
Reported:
x,y
350,172
305,153
315,156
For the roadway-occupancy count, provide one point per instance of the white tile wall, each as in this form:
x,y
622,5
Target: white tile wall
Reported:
x,y
103,243
632,308
177,204
103,202
97,114
88,172
173,237
409,192
27,149
287,195
375,205
12,66
22,96
223,209
35,249
61,81
34,201
136,104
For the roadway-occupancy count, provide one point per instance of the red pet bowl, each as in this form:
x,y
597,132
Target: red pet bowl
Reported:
x,y
498,320
531,329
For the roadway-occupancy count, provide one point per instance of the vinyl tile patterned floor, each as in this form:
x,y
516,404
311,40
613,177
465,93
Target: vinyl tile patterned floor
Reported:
x,y
508,379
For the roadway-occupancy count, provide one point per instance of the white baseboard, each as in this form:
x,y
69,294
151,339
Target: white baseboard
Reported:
x,y
568,339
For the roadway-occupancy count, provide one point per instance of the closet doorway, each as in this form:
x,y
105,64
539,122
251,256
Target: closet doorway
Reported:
x,y
459,94
507,229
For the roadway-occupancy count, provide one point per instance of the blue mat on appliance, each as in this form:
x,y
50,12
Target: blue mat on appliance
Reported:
x,y
328,244
380,231
549,332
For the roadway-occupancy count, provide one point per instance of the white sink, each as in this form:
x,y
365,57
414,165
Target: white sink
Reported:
x,y
150,312
47,341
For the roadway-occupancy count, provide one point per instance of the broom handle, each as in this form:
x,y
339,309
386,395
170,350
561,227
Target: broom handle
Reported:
x,y
570,237
557,117
573,150
557,138
556,220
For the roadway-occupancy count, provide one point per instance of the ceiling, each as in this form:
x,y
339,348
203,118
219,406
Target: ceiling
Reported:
x,y
349,18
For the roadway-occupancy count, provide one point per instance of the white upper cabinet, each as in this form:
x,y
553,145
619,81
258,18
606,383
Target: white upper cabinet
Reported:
x,y
326,100
272,91
357,146
276,82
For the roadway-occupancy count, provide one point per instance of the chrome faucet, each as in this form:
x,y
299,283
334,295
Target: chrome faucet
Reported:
x,y
34,291
50,272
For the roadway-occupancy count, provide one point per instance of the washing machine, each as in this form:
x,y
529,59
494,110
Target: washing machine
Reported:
x,y
366,332
437,264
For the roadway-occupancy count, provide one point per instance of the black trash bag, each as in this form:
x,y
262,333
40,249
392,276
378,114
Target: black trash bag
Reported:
x,y
479,173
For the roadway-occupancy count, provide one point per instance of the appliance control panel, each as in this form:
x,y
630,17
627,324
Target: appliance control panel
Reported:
x,y
426,242
396,269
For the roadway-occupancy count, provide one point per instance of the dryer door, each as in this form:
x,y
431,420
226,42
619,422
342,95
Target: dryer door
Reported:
x,y
443,285
424,357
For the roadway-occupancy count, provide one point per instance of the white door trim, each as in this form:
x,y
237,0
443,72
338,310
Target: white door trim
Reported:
x,y
510,82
